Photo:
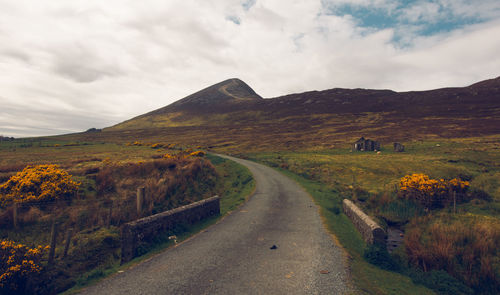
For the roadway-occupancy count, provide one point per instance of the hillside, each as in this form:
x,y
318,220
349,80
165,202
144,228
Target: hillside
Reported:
x,y
230,113
224,97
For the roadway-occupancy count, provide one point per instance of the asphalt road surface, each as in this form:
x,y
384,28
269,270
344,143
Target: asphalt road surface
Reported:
x,y
235,256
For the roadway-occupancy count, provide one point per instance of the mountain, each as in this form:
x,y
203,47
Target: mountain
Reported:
x,y
227,96
231,113
218,97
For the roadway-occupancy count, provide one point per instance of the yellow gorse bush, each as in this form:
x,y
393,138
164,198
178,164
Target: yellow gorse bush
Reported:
x,y
18,262
197,154
430,192
37,184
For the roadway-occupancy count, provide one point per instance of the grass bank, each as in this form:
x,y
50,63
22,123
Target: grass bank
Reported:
x,y
94,250
368,278
234,186
371,180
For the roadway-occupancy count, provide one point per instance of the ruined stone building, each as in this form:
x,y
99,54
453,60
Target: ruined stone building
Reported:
x,y
363,144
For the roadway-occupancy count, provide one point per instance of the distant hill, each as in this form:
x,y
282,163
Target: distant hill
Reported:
x,y
231,113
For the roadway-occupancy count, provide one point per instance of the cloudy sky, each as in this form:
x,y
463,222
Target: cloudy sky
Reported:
x,y
68,66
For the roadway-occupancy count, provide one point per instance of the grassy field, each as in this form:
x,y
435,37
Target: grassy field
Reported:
x,y
94,250
371,180
368,278
331,173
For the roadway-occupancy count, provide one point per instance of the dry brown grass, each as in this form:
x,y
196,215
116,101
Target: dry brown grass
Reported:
x,y
466,246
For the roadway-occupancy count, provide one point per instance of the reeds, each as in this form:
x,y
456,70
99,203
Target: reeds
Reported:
x,y
466,247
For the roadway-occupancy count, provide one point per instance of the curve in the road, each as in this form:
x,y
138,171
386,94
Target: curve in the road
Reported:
x,y
235,256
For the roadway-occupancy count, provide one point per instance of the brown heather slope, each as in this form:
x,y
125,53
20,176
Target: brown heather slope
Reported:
x,y
231,116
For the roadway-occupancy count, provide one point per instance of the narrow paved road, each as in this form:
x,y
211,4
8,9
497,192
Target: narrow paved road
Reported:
x,y
234,256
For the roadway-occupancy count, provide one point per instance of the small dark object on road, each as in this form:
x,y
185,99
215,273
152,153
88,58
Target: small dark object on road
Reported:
x,y
274,247
324,272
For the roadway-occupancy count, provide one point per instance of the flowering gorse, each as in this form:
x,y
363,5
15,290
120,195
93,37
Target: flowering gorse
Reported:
x,y
17,263
37,184
197,154
430,192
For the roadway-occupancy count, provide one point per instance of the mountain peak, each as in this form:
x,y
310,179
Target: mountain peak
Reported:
x,y
219,95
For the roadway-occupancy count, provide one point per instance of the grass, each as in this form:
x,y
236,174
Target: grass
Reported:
x,y
237,183
95,275
328,174
234,188
87,161
368,278
370,179
473,159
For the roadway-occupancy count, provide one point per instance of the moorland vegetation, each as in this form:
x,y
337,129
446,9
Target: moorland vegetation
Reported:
x,y
444,196
443,192
85,196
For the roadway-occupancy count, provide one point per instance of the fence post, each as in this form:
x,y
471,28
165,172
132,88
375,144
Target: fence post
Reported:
x,y
53,235
14,214
454,202
110,213
68,240
140,199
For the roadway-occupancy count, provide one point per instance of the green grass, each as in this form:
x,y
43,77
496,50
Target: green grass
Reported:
x,y
235,185
369,177
368,278
95,275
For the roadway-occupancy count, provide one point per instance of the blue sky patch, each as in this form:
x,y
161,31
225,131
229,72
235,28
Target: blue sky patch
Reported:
x,y
248,4
234,19
408,19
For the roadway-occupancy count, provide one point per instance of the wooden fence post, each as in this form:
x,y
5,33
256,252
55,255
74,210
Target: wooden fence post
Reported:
x,y
14,214
53,236
140,199
68,240
454,202
110,213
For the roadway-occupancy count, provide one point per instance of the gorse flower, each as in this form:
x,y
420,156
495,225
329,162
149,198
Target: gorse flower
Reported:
x,y
430,192
197,154
38,183
18,262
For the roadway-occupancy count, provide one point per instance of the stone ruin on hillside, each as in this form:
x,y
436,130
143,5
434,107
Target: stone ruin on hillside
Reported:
x,y
363,144
399,147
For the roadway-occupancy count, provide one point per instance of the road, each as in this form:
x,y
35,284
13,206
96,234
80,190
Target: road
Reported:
x,y
234,256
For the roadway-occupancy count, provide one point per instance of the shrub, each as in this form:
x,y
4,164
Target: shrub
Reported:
x,y
18,263
38,183
105,181
431,193
197,154
466,247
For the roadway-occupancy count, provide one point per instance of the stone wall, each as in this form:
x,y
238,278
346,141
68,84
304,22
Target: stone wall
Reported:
x,y
144,230
369,229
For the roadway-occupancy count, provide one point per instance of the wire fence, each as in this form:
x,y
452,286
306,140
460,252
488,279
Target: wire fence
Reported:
x,y
55,223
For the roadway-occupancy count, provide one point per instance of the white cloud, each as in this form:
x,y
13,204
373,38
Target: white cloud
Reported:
x,y
69,66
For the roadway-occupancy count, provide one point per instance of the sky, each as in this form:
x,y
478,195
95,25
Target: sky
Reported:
x,y
67,66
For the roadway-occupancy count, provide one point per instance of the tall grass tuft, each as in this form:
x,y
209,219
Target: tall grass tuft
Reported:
x,y
466,246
